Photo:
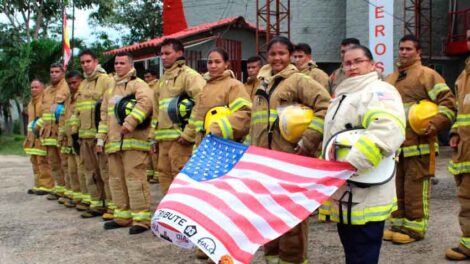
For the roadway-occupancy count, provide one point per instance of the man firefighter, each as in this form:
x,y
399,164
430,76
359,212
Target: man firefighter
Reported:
x,y
52,106
460,163
73,187
125,113
253,65
339,75
150,77
421,88
43,181
174,142
304,62
95,166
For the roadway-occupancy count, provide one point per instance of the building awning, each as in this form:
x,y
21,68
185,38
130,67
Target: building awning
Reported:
x,y
233,22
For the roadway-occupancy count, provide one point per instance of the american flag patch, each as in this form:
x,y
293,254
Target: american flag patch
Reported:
x,y
384,96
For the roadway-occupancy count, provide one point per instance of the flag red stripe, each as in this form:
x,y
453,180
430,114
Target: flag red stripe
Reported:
x,y
286,176
247,227
212,227
282,200
300,160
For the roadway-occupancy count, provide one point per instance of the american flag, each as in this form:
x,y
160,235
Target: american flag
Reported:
x,y
230,199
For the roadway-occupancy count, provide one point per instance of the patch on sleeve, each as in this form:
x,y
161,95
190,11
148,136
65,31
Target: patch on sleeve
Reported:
x,y
385,96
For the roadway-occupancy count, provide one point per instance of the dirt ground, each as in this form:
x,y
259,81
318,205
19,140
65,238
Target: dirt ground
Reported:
x,y
34,230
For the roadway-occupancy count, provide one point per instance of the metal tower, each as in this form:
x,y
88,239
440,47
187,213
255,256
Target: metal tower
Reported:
x,y
418,17
273,19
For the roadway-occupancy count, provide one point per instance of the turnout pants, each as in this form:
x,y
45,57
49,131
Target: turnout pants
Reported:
x,y
171,158
75,171
93,168
42,174
413,192
129,187
291,247
54,160
152,172
463,195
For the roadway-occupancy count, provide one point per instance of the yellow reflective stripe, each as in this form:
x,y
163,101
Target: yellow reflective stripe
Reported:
x,y
102,129
163,104
374,114
416,150
48,117
127,144
110,205
458,167
59,189
40,188
364,215
49,142
35,151
436,90
225,127
317,124
138,114
125,214
170,133
369,149
84,133
110,110
86,105
462,120
65,150
447,112
77,196
141,216
199,125
238,103
96,203
397,222
149,173
68,193
420,225
86,198
40,122
465,241
154,123
261,117
61,130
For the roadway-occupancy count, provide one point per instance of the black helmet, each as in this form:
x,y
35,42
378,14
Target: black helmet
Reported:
x,y
124,107
179,109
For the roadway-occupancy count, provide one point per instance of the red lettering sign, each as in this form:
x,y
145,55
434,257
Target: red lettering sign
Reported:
x,y
379,12
379,29
380,49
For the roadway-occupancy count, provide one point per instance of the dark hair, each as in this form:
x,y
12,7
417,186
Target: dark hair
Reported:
x,y
349,41
72,74
303,47
411,38
365,49
38,80
57,65
121,54
254,59
88,52
151,71
175,43
283,40
222,53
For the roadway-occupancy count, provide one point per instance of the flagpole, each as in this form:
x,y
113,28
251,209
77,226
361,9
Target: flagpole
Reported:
x,y
63,29
73,32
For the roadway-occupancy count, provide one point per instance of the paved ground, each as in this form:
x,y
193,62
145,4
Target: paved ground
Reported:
x,y
34,230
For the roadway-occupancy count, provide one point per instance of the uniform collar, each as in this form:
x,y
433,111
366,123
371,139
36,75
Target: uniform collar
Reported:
x,y
96,73
224,75
355,84
403,66
265,73
130,75
309,65
59,84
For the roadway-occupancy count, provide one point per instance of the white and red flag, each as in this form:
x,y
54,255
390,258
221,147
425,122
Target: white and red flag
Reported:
x,y
230,199
66,42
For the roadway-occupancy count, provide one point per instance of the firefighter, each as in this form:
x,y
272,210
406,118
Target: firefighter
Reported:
x,y
282,85
416,82
174,143
460,163
338,75
150,77
95,166
304,62
222,91
253,65
51,107
73,192
43,181
127,146
363,100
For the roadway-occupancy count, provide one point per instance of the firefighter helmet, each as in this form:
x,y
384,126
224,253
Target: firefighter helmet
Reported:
x,y
337,148
179,109
420,114
123,108
293,121
215,114
59,109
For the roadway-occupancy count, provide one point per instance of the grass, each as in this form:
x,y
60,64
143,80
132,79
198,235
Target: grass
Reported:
x,y
11,145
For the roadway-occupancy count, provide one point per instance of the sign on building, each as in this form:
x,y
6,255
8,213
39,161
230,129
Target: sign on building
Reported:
x,y
381,34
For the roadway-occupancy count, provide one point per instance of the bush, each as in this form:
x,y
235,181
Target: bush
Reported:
x,y
16,127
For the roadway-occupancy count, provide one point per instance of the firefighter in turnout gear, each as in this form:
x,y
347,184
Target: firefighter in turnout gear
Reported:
x,y
282,85
150,77
43,181
460,163
95,166
338,75
416,164
363,100
52,101
305,64
174,142
253,65
127,148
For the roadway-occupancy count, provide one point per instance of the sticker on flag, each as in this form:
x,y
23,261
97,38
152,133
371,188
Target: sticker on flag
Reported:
x,y
230,199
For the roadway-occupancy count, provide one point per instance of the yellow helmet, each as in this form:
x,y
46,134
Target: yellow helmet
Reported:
x,y
215,114
293,121
420,114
